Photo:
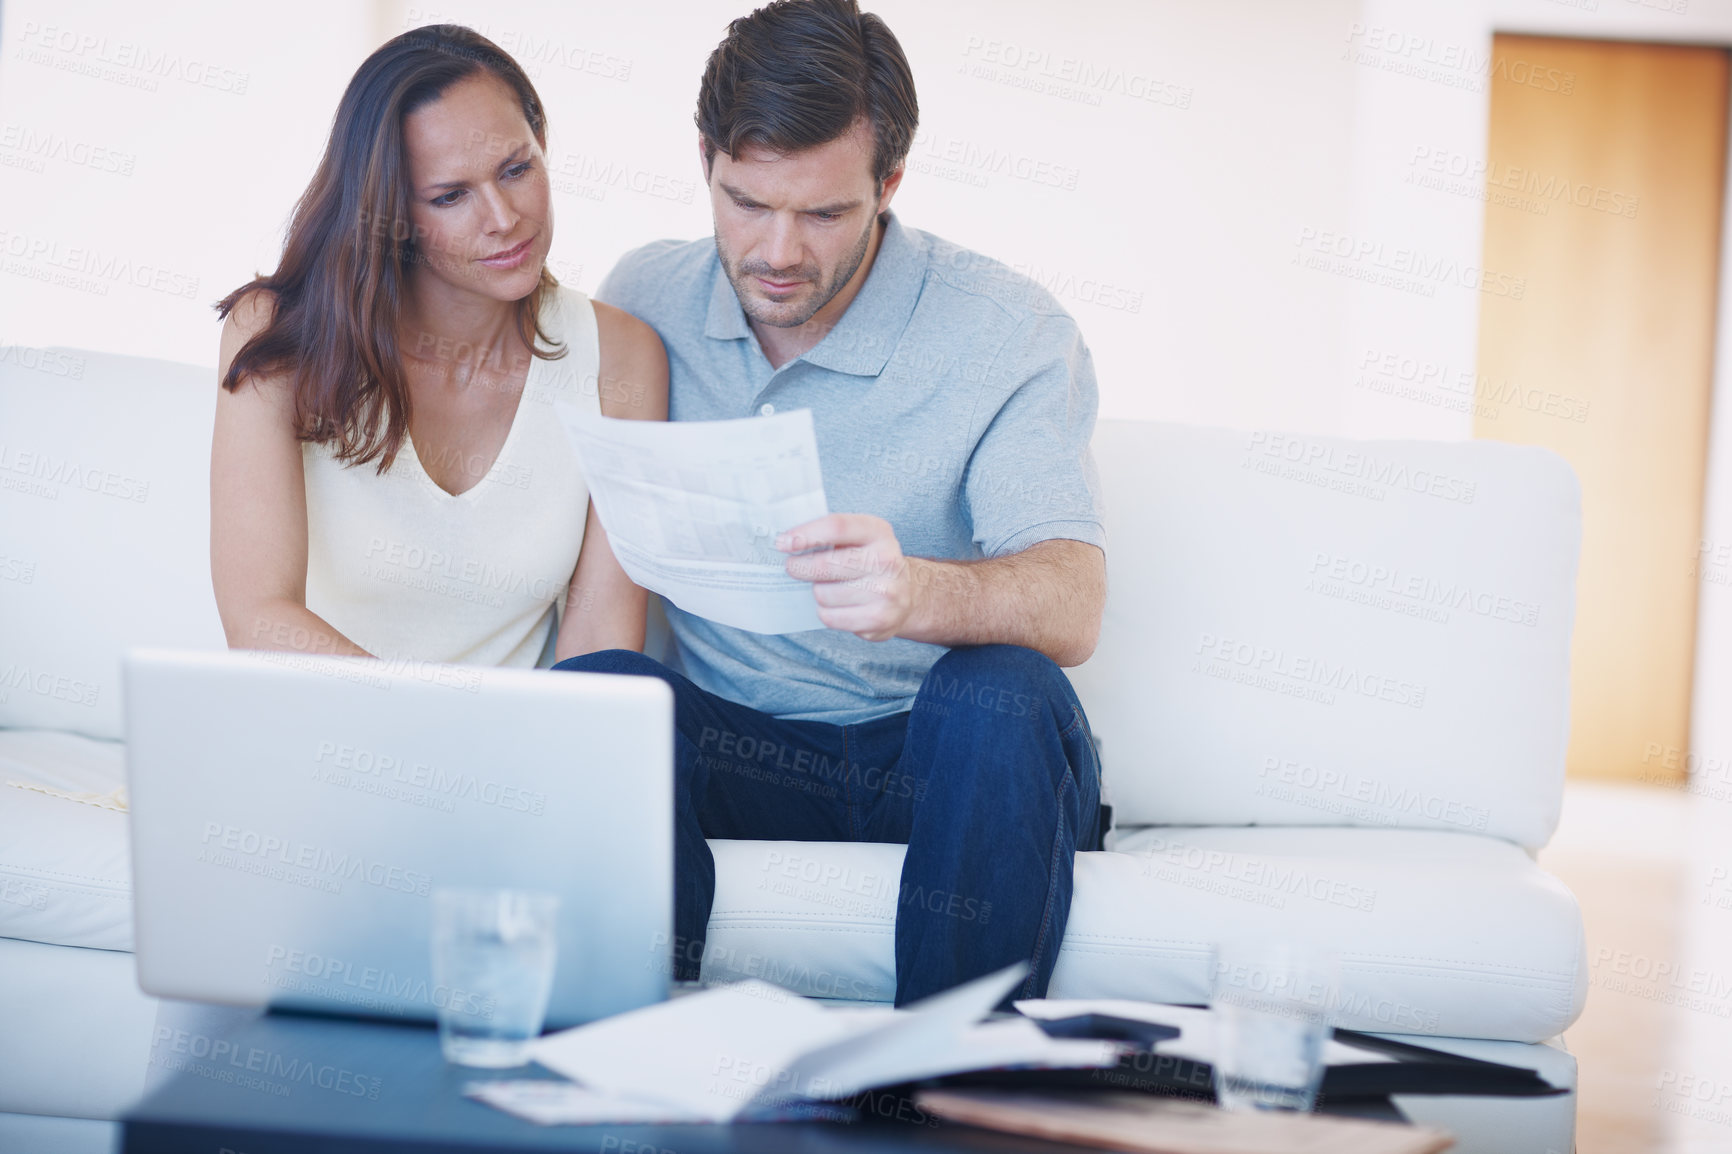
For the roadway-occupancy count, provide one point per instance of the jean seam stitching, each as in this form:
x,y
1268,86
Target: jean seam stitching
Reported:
x,y
848,805
1046,914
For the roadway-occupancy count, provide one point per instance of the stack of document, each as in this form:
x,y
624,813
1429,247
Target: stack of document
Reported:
x,y
753,1050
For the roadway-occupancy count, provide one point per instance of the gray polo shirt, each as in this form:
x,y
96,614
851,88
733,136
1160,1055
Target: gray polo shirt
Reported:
x,y
955,399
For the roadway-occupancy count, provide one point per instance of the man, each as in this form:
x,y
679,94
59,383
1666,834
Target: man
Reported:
x,y
953,402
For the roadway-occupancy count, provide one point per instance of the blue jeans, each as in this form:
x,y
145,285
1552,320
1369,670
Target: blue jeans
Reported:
x,y
990,779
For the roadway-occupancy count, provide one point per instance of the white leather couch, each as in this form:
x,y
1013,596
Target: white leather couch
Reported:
x,y
1330,694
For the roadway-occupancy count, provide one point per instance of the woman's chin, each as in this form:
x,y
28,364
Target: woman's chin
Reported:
x,y
504,285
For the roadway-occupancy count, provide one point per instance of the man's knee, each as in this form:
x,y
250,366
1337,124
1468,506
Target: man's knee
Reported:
x,y
627,661
1005,660
996,679
1019,698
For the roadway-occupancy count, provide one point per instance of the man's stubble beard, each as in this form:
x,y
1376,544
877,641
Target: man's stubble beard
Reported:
x,y
753,304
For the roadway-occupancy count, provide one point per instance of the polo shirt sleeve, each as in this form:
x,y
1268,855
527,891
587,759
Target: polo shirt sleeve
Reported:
x,y
1031,477
618,287
625,285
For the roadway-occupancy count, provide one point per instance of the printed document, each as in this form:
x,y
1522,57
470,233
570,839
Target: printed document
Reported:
x,y
749,1048
692,509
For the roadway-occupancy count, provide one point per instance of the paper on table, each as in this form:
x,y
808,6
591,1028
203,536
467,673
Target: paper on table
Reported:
x,y
706,1054
555,1102
942,1034
1004,1044
1196,1039
753,1046
552,1103
692,509
988,1045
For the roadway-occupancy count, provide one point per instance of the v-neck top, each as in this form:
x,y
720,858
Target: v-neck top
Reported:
x,y
411,572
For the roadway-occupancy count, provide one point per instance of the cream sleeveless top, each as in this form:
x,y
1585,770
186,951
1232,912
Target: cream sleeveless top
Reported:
x,y
408,571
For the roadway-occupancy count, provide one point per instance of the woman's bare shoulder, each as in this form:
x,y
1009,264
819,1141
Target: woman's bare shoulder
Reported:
x,y
634,366
250,314
249,317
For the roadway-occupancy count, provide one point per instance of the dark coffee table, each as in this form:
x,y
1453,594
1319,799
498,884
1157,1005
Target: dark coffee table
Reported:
x,y
278,1083
288,1084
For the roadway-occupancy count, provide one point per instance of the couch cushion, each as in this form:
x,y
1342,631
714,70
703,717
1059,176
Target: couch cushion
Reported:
x,y
1445,934
1313,631
105,496
65,874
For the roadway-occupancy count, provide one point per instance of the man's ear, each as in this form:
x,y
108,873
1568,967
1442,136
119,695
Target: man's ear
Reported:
x,y
703,161
891,184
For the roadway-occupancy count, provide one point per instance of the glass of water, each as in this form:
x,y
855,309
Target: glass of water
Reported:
x,y
493,958
1272,1005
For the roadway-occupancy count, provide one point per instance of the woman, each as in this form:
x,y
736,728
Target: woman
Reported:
x,y
389,476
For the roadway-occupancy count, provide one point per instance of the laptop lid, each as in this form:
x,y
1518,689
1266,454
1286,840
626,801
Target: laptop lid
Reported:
x,y
291,816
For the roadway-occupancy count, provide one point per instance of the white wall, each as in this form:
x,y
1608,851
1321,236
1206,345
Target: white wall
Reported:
x,y
149,156
1191,205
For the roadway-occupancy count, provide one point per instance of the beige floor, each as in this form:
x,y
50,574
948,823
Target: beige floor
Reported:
x,y
1653,871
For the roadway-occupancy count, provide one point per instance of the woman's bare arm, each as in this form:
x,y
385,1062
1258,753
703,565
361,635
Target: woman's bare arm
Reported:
x,y
258,510
604,609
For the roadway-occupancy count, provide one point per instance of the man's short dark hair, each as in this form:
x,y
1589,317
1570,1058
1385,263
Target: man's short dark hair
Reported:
x,y
798,73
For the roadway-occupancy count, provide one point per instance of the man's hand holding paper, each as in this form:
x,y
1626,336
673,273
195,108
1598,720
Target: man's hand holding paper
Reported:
x,y
860,580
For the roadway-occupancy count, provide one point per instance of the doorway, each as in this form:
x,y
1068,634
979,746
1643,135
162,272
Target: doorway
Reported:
x,y
1604,190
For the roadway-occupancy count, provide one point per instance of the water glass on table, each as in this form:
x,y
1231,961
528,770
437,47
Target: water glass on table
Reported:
x,y
493,959
1272,1004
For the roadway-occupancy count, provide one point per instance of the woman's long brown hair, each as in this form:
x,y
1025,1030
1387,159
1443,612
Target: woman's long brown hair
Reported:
x,y
339,286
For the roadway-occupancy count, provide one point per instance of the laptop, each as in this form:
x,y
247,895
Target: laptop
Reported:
x,y
292,815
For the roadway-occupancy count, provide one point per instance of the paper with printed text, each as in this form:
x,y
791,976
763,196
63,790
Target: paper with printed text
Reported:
x,y
692,509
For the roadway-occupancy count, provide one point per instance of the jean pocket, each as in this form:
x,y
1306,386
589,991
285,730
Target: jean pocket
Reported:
x,y
1076,723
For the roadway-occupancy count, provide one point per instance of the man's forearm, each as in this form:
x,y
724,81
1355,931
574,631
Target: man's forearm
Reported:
x,y
1047,598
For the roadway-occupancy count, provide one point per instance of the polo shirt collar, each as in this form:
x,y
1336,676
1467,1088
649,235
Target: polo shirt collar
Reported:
x,y
862,342
726,320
